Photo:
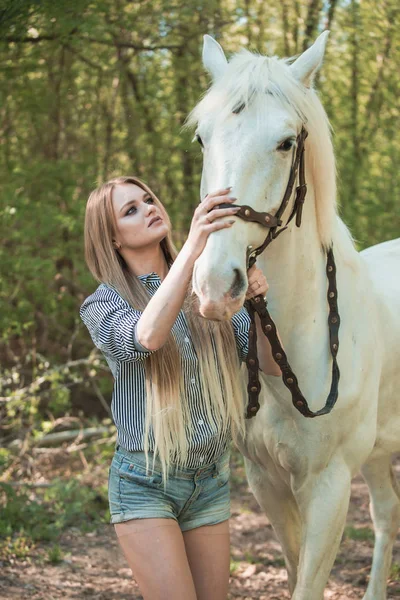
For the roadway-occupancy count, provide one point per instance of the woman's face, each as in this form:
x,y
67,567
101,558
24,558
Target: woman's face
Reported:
x,y
139,221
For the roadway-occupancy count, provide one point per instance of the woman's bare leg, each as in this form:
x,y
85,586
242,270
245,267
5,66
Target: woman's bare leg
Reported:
x,y
155,551
208,552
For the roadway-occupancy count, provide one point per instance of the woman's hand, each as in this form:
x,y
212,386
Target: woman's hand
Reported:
x,y
257,283
205,222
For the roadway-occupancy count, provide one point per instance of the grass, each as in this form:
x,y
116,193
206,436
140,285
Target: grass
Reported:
x,y
278,561
233,566
55,555
358,533
394,573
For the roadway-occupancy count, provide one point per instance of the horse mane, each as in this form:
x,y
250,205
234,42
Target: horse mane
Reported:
x,y
247,75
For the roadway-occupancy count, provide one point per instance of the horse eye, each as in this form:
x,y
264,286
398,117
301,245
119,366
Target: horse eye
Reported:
x,y
238,109
286,145
198,138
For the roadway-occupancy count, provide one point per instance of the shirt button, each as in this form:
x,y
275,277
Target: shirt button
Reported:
x,y
193,380
200,422
187,339
201,459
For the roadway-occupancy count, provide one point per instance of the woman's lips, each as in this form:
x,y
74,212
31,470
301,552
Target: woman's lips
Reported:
x,y
154,221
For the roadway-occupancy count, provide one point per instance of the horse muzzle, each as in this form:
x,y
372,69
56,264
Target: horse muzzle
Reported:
x,y
215,302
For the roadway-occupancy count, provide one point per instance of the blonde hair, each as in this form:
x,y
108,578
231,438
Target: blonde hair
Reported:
x,y
167,412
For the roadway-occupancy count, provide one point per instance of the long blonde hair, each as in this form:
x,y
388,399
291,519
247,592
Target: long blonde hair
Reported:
x,y
167,412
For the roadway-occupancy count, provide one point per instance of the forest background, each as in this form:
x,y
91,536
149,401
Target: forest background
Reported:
x,y
94,89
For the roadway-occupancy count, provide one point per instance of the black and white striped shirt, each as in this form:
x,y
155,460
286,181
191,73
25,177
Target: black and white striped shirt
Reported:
x,y
111,322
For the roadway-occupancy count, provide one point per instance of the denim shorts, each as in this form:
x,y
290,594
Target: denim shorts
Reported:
x,y
192,497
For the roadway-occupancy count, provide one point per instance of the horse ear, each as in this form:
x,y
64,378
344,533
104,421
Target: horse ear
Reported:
x,y
308,63
214,58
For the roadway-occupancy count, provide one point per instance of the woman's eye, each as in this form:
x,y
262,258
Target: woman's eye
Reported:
x,y
149,200
286,145
131,211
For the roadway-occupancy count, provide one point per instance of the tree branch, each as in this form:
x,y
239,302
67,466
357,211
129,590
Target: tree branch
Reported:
x,y
82,58
53,38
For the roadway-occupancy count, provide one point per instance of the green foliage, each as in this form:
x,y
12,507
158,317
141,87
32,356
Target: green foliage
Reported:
x,y
19,547
5,455
55,555
233,566
26,517
394,574
89,90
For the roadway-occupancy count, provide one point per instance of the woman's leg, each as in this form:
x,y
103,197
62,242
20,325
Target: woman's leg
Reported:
x,y
208,552
155,552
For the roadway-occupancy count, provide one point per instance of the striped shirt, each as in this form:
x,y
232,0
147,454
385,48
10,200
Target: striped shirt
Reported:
x,y
111,322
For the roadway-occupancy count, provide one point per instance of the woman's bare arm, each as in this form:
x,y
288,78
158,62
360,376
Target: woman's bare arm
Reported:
x,y
156,322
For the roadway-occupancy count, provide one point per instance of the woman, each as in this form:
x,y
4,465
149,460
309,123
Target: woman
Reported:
x,y
177,397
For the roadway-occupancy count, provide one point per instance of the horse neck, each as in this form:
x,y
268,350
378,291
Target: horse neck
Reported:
x,y
294,265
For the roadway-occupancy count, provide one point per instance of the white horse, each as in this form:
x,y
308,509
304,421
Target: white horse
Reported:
x,y
300,469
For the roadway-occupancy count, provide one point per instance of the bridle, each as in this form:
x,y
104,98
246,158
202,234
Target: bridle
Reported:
x,y
259,305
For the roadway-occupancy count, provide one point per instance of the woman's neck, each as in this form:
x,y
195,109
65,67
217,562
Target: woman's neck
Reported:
x,y
146,260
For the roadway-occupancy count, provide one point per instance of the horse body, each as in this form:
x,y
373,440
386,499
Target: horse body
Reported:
x,y
300,469
383,265
308,490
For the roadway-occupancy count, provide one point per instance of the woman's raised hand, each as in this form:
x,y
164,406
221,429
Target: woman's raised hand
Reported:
x,y
206,220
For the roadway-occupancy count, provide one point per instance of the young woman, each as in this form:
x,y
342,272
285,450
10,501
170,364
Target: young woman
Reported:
x,y
177,398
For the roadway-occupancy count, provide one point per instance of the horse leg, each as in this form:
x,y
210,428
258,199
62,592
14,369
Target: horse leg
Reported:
x,y
385,513
277,501
323,503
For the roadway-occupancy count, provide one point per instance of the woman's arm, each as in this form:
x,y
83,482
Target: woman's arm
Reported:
x,y
111,323
163,308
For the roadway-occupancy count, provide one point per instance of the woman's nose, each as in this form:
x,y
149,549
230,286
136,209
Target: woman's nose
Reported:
x,y
150,208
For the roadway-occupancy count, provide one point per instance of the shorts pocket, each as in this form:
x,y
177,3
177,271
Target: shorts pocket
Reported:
x,y
138,474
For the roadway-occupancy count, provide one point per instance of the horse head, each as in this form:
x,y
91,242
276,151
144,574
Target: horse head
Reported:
x,y
248,126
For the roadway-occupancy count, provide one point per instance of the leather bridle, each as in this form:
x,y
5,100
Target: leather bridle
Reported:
x,y
258,304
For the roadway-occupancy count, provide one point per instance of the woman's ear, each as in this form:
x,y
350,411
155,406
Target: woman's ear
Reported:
x,y
116,245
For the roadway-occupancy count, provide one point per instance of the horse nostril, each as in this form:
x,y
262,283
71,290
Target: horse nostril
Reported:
x,y
238,284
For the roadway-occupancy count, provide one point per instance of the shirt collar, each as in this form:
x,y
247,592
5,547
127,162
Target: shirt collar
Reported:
x,y
149,278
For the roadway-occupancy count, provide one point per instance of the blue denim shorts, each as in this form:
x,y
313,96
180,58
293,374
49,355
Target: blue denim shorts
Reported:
x,y
192,497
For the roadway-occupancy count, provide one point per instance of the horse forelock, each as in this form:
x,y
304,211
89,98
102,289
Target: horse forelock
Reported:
x,y
248,76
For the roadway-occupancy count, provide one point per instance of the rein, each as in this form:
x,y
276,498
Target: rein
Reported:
x,y
258,304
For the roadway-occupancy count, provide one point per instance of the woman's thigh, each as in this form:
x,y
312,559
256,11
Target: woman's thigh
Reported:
x,y
208,552
155,551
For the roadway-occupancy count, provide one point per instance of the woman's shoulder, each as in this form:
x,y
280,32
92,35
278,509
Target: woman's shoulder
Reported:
x,y
104,293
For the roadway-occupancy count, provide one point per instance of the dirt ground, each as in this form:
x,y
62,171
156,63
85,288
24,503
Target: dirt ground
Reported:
x,y
93,566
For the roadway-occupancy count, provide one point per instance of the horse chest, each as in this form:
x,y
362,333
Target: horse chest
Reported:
x,y
291,442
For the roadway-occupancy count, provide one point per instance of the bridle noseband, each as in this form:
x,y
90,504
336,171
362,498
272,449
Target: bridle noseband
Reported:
x,y
259,305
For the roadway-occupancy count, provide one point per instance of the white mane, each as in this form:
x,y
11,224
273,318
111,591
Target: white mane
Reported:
x,y
248,75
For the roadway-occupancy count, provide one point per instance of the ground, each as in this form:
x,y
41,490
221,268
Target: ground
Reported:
x,y
93,567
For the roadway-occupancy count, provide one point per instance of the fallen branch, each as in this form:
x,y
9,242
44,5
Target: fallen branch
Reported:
x,y
66,436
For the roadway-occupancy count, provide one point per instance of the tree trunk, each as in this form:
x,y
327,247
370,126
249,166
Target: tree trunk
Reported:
x,y
311,22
